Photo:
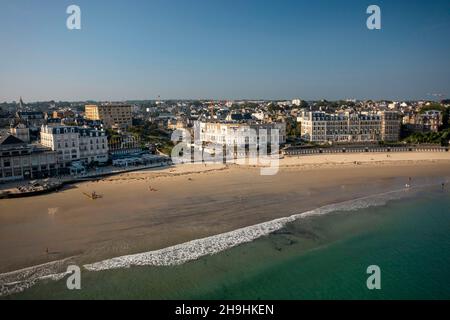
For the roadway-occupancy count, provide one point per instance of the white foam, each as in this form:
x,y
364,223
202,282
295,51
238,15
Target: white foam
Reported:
x,y
195,249
18,281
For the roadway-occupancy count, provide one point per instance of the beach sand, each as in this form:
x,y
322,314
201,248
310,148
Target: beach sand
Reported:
x,y
154,209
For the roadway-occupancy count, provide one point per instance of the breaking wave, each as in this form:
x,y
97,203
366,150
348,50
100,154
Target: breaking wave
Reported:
x,y
18,281
195,249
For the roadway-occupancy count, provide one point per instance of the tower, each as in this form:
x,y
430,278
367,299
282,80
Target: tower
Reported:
x,y
21,103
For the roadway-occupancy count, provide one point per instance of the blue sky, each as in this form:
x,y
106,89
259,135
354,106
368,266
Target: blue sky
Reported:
x,y
223,49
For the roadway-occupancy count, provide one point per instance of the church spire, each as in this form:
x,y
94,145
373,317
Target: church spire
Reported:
x,y
21,103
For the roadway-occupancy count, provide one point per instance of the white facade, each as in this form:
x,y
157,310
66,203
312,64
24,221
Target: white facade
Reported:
x,y
258,115
238,133
75,143
64,140
93,145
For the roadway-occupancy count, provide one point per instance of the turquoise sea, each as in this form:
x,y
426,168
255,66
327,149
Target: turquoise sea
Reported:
x,y
318,257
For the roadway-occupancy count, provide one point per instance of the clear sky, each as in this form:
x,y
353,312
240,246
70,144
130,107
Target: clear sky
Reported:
x,y
223,49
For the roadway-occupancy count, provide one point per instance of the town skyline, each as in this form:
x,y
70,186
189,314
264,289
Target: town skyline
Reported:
x,y
431,97
225,51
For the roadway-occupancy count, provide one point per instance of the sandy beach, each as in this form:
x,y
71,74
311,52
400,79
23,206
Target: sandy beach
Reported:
x,y
154,209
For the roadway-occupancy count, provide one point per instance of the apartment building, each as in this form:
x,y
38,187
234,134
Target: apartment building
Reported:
x,y
115,116
238,133
19,160
93,145
33,119
429,121
390,125
76,143
64,140
319,126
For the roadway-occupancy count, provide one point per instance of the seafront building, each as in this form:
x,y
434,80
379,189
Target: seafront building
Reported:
x,y
87,145
113,116
237,133
93,146
20,160
64,140
390,126
319,126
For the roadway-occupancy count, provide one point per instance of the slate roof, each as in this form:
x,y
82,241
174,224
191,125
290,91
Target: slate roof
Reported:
x,y
9,140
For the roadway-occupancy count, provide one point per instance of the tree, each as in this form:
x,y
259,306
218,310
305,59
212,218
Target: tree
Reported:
x,y
430,137
433,106
293,128
445,118
304,104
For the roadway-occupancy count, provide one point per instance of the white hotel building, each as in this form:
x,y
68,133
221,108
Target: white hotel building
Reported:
x,y
237,133
64,140
75,143
319,126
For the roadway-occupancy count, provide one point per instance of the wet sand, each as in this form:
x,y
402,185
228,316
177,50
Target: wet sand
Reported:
x,y
190,202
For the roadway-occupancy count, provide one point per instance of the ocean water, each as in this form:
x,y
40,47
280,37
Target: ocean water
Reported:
x,y
316,257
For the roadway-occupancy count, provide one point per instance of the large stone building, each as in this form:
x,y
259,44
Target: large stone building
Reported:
x,y
74,143
64,140
19,160
237,133
93,145
319,126
390,126
116,116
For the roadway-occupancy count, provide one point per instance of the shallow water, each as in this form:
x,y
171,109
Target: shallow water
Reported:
x,y
318,257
